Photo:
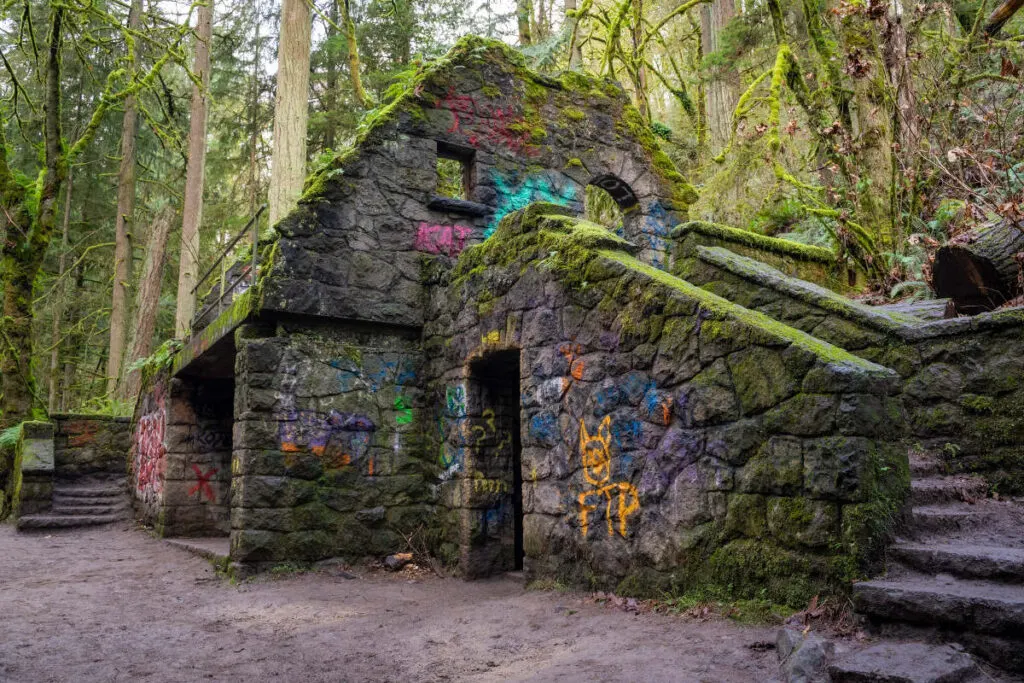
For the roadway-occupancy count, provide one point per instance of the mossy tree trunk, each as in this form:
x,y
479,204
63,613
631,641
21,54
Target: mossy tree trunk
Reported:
x,y
29,236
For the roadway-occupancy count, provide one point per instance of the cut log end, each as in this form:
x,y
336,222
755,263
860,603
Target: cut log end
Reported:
x,y
979,273
970,281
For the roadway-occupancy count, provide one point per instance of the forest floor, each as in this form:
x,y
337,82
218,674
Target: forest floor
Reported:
x,y
114,604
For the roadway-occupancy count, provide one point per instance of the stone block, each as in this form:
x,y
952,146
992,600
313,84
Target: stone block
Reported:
x,y
797,522
835,467
804,415
746,516
777,468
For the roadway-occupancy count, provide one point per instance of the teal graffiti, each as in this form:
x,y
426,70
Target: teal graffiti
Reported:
x,y
514,194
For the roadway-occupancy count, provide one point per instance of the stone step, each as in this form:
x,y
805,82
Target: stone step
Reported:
x,y
943,601
905,663
89,509
992,563
37,522
90,491
104,501
924,465
951,489
951,518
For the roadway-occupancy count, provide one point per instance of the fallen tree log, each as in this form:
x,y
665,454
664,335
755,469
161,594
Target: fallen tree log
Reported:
x,y
978,270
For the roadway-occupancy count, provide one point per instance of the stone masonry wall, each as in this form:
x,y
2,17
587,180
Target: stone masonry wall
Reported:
x,y
354,247
669,438
181,456
963,387
328,447
90,444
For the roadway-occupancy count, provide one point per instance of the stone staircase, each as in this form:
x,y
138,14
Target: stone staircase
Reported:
x,y
80,502
958,573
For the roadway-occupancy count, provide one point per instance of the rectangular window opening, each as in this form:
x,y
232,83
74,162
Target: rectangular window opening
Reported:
x,y
454,171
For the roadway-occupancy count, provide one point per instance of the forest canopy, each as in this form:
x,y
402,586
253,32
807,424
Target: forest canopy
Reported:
x,y
138,139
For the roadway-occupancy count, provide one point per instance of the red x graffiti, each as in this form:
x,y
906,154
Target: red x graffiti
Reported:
x,y
202,486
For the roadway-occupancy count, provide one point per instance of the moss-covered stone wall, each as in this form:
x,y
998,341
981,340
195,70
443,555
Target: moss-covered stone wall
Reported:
x,y
670,439
963,378
806,262
354,246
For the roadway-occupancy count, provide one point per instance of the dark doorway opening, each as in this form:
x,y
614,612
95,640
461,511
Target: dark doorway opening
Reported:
x,y
496,476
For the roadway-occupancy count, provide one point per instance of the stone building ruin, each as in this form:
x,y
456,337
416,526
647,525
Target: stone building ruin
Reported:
x,y
674,405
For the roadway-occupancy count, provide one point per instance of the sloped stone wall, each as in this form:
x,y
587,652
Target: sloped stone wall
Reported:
x,y
963,378
669,438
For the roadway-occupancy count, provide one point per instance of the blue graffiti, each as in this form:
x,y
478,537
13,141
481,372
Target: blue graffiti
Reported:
x,y
515,194
626,433
374,374
544,427
606,400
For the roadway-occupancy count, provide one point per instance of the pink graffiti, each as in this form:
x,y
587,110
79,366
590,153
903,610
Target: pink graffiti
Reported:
x,y
150,453
498,126
442,239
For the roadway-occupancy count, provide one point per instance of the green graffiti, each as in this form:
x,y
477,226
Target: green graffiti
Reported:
x,y
540,187
404,410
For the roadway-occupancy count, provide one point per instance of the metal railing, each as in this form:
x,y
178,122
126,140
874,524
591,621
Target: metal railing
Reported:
x,y
248,272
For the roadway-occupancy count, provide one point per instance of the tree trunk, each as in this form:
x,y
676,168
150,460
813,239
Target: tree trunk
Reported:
x,y
524,10
573,22
638,73
24,256
979,271
720,88
331,90
192,208
148,301
123,222
353,55
291,110
254,125
905,129
58,305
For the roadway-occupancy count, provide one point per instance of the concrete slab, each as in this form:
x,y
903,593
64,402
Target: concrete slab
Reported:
x,y
215,549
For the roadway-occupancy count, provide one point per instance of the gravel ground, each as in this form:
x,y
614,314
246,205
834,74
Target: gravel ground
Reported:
x,y
114,604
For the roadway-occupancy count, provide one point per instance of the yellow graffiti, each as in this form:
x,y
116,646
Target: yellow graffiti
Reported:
x,y
478,431
595,452
491,338
489,485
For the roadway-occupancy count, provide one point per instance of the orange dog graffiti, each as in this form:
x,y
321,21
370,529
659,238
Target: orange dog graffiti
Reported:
x,y
596,454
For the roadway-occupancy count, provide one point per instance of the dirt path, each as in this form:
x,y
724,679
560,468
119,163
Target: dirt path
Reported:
x,y
114,604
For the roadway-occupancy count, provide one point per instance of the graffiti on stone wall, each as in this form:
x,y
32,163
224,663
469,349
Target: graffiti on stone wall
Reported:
x,y
619,498
485,123
572,352
81,433
202,488
372,373
403,410
658,226
338,438
455,401
449,240
206,440
515,193
150,457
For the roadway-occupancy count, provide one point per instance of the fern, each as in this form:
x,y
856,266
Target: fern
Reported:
x,y
9,437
